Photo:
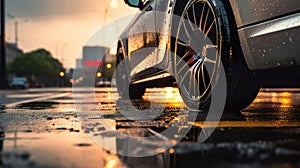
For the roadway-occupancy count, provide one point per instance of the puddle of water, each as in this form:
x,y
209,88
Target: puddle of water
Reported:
x,y
37,105
59,142
277,105
50,150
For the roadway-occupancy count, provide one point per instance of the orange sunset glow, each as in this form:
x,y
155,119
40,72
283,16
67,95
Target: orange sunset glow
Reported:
x,y
62,27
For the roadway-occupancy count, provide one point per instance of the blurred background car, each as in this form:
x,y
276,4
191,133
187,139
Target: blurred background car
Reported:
x,y
103,82
20,82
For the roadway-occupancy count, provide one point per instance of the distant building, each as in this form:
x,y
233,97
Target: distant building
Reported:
x,y
94,55
94,63
79,64
12,52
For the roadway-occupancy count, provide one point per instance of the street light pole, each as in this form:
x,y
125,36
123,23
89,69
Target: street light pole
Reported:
x,y
16,27
3,80
16,33
113,4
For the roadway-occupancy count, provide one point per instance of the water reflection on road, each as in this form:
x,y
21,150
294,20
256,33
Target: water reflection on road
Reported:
x,y
44,128
275,105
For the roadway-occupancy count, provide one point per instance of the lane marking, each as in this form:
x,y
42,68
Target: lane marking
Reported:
x,y
28,95
37,99
209,124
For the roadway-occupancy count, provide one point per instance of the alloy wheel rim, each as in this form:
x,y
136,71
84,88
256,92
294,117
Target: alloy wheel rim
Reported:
x,y
198,45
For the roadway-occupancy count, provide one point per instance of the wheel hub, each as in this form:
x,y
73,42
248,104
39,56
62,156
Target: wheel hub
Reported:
x,y
197,56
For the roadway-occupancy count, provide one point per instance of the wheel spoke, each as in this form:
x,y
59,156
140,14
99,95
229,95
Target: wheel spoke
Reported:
x,y
208,46
198,82
193,34
209,69
195,86
195,70
192,26
206,20
194,14
189,53
190,84
207,60
197,40
186,30
196,66
203,77
190,61
184,76
183,44
201,18
182,68
208,30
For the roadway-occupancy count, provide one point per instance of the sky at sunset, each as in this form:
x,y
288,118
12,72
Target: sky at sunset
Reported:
x,y
61,26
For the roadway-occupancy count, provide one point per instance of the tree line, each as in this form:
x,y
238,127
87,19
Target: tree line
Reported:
x,y
39,67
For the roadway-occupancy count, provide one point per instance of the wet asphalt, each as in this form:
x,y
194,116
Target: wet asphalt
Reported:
x,y
92,127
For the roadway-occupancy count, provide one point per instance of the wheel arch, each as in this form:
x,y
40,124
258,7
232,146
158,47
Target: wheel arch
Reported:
x,y
122,43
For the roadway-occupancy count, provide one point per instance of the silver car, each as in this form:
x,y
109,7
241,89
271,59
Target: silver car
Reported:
x,y
187,43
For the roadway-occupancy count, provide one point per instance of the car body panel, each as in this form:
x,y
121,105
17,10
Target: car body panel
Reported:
x,y
249,12
142,41
273,44
163,20
268,32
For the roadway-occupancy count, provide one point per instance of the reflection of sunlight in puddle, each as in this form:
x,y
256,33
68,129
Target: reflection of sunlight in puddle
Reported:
x,y
109,95
106,97
110,164
284,99
280,104
172,93
285,102
286,94
168,94
54,150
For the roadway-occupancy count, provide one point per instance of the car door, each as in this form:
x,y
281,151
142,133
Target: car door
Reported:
x,y
142,41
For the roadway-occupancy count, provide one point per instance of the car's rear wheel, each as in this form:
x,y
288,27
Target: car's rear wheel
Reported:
x,y
204,39
126,89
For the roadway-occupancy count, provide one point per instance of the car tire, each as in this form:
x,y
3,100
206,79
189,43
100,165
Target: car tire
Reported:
x,y
195,70
125,88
